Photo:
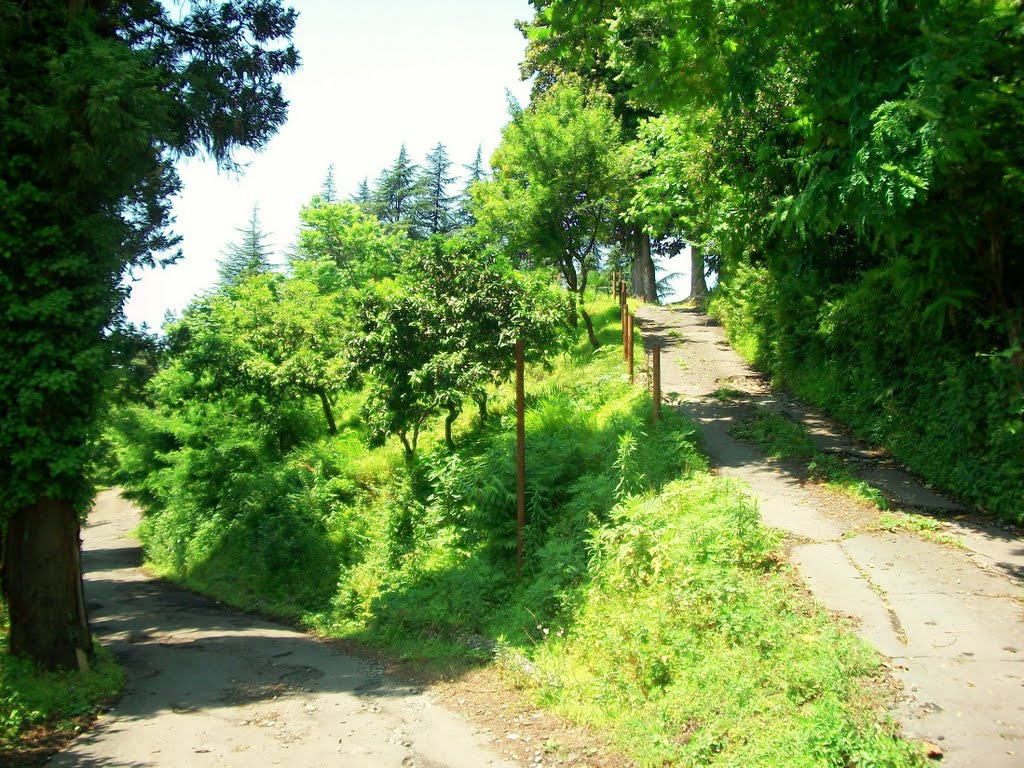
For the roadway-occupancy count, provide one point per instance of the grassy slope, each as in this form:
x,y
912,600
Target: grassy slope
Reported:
x,y
652,605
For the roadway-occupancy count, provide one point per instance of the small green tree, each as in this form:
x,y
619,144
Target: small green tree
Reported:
x,y
557,174
475,171
363,196
434,207
352,239
271,336
395,193
445,330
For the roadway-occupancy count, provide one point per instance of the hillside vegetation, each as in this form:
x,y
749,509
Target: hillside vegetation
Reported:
x,y
852,174
652,603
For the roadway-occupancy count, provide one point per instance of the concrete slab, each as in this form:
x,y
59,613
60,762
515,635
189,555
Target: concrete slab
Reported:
x,y
840,587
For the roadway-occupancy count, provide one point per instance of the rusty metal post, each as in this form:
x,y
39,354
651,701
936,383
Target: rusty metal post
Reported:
x,y
624,319
520,458
629,348
656,376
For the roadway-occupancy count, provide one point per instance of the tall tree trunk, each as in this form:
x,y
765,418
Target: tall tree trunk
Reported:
x,y
42,583
332,428
590,328
698,286
645,282
453,414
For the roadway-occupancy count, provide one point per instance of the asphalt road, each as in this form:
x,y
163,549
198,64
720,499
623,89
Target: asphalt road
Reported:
x,y
210,686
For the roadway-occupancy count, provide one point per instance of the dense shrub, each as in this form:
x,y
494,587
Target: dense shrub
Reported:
x,y
866,351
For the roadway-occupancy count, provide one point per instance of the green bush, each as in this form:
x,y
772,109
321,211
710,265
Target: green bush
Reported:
x,y
942,402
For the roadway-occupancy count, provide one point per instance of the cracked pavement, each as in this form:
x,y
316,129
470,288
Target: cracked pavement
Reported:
x,y
207,685
948,619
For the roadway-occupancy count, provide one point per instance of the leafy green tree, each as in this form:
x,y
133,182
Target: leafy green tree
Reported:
x,y
270,336
354,240
443,331
99,99
573,40
434,207
553,196
247,258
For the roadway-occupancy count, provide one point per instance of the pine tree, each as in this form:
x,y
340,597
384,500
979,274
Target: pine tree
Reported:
x,y
475,172
328,192
249,257
395,192
434,212
363,196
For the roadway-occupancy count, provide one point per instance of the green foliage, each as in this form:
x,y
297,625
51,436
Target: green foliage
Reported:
x,y
269,337
393,199
434,207
61,701
948,413
695,649
650,604
444,331
856,169
361,249
553,193
97,104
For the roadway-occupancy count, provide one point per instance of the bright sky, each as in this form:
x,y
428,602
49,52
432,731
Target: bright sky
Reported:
x,y
374,75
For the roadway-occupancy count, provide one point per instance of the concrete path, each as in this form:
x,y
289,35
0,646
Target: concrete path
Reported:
x,y
949,620
211,686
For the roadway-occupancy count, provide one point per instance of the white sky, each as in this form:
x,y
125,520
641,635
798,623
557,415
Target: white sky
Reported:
x,y
374,75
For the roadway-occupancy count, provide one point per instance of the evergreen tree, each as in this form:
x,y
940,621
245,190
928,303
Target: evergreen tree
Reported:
x,y
328,191
363,196
434,213
99,99
475,172
395,193
249,257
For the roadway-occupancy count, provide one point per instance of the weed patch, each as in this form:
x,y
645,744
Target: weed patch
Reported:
x,y
786,440
40,711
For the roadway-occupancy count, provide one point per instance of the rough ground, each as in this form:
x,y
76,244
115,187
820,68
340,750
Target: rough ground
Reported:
x,y
948,618
207,685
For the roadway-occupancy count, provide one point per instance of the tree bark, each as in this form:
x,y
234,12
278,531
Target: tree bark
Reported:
x,y
453,414
42,585
590,328
409,450
698,286
332,428
645,282
481,403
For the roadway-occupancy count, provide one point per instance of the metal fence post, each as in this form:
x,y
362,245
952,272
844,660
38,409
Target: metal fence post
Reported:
x,y
656,376
520,458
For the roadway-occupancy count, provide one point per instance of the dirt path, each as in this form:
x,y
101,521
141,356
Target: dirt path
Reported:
x,y
211,686
948,619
